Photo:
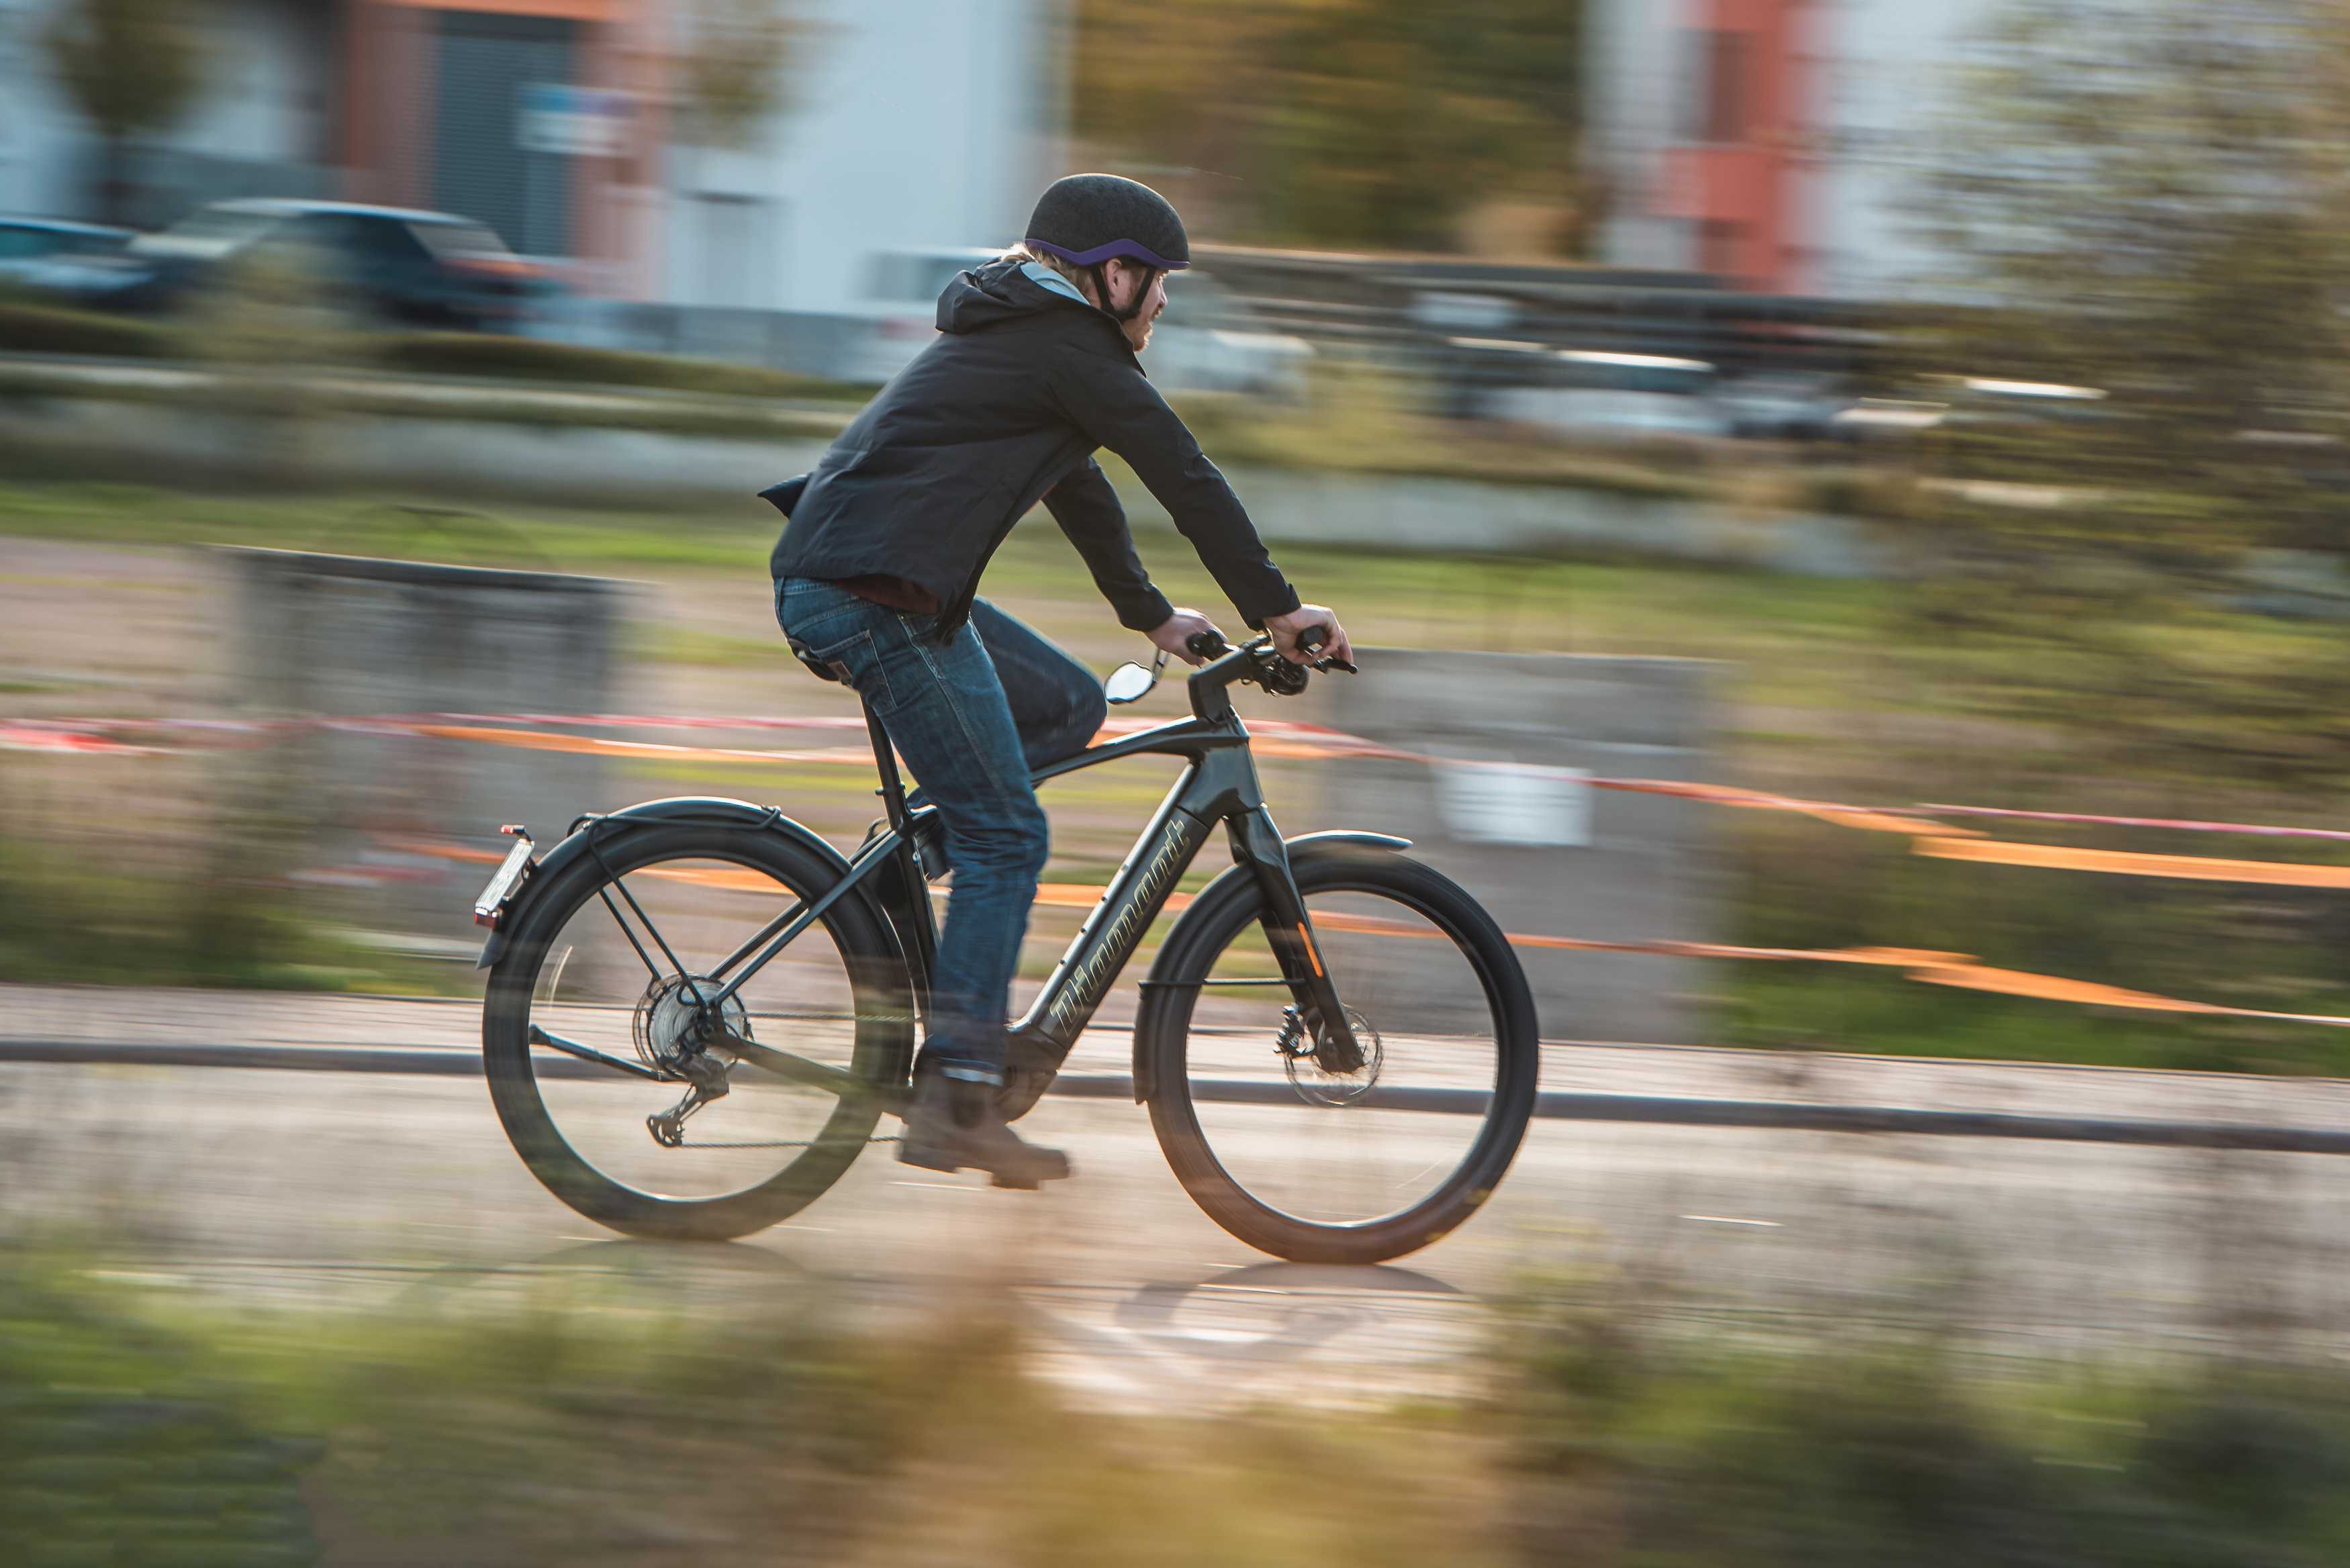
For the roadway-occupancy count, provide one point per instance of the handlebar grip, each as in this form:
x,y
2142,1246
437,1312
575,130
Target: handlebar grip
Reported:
x,y
1208,644
1312,640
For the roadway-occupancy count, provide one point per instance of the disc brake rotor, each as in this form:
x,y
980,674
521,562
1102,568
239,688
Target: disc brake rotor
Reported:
x,y
1312,1084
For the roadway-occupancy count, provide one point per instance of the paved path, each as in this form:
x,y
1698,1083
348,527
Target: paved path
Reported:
x,y
372,1187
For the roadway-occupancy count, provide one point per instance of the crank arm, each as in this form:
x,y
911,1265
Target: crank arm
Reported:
x,y
841,1085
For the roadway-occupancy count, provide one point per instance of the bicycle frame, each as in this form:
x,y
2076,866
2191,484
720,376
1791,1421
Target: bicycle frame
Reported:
x,y
1220,785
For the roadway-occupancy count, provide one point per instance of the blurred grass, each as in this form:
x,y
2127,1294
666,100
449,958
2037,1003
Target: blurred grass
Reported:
x,y
69,916
27,327
577,1421
586,1416
534,359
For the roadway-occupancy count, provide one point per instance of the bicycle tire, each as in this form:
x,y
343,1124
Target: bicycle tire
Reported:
x,y
841,993
1284,1156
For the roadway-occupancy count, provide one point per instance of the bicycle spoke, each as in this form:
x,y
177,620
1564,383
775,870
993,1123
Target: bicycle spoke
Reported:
x,y
718,971
643,956
653,931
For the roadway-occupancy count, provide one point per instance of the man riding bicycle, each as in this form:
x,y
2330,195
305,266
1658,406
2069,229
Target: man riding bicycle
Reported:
x,y
878,571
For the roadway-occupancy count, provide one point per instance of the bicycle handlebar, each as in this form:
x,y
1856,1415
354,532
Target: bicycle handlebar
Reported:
x,y
1255,662
1212,645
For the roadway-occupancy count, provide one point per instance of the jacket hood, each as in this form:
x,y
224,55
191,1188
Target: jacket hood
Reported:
x,y
998,291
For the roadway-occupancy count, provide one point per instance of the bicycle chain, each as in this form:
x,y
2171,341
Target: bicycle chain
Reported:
x,y
807,1143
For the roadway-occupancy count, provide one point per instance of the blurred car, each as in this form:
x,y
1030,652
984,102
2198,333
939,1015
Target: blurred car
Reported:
x,y
900,308
1206,340
1637,394
1959,403
1785,406
426,269
30,247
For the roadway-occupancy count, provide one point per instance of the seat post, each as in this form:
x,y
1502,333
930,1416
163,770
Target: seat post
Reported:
x,y
885,758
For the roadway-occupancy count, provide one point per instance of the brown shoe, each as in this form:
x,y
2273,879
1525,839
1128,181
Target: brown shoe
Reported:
x,y
955,1123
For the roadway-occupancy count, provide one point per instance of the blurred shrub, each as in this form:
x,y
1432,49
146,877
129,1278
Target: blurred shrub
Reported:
x,y
1635,1450
1362,421
71,916
49,329
1340,123
2148,199
1794,883
531,359
116,1447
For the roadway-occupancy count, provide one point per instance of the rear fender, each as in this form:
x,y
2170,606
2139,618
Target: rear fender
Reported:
x,y
606,831
1238,882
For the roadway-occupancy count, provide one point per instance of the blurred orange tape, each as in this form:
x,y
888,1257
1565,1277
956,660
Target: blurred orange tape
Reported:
x,y
2121,863
1956,970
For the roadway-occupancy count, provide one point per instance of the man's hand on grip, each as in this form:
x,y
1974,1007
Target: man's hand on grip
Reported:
x,y
1287,629
1174,634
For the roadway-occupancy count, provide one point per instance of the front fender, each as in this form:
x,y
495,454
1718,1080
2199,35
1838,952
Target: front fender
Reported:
x,y
1240,881
714,809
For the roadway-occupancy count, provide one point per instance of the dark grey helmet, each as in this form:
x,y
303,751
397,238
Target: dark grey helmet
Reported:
x,y
1089,219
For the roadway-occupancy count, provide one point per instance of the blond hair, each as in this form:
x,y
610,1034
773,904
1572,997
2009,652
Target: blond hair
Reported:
x,y
1081,276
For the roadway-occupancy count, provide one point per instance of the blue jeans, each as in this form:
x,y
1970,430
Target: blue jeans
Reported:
x,y
971,718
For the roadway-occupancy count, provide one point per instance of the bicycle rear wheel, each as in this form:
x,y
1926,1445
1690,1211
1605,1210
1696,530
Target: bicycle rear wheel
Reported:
x,y
603,974
1341,1170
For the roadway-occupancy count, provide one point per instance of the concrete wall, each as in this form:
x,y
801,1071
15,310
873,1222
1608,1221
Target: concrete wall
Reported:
x,y
325,635
1545,856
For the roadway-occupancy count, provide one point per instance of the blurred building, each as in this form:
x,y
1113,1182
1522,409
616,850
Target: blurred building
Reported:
x,y
568,126
1762,141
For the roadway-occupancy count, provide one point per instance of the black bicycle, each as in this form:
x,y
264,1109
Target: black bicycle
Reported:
x,y
698,1011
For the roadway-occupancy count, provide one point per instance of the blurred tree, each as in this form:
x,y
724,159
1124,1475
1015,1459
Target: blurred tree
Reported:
x,y
1372,123
2151,198
734,67
134,68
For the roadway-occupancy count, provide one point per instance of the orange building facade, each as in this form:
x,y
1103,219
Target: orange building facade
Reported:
x,y
1732,171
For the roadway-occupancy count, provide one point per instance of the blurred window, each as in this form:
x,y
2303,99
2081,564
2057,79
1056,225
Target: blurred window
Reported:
x,y
17,243
488,62
209,232
385,239
458,239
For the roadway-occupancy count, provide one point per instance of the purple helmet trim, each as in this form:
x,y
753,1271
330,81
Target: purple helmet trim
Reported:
x,y
1125,248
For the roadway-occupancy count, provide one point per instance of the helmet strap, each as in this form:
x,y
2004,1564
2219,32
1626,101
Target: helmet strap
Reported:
x,y
1101,290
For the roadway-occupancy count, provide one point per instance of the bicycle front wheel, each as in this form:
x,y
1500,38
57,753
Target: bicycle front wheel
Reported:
x,y
591,1040
1371,1165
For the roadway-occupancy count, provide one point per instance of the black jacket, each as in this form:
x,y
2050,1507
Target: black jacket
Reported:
x,y
1004,409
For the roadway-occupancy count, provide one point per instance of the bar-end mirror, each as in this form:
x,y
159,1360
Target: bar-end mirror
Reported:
x,y
1132,683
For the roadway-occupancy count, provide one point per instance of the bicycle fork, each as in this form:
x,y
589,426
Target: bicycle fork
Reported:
x,y
1289,929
